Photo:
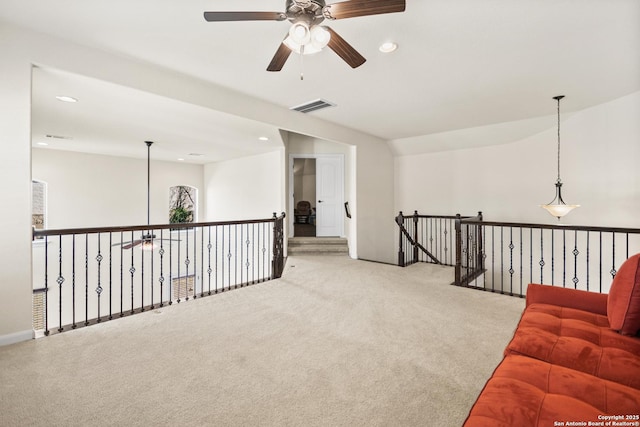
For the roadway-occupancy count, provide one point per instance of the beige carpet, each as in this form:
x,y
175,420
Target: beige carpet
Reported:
x,y
335,342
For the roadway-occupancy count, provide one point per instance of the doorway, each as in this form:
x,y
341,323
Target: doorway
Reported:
x,y
316,194
304,197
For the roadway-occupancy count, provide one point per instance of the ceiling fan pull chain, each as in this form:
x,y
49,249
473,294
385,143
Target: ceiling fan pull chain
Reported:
x,y
302,62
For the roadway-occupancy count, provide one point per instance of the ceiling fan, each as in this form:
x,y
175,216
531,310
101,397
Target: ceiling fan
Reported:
x,y
306,35
147,239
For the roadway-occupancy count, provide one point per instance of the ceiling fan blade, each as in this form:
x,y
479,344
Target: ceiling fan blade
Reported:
x,y
355,8
345,50
244,16
281,56
132,244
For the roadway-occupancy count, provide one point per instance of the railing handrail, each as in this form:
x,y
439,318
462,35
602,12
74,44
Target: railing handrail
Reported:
x,y
417,215
93,230
553,226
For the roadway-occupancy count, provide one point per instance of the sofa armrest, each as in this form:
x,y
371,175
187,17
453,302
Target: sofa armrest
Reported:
x,y
565,297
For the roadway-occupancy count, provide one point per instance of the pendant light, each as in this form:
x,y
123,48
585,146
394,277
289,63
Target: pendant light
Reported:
x,y
557,207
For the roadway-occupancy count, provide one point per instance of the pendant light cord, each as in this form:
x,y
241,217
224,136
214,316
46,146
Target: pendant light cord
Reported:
x,y
558,98
148,181
558,139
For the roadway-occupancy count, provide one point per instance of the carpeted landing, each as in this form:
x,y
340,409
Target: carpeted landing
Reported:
x,y
335,342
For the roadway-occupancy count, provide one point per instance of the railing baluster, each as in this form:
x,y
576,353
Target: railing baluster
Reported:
x,y
142,246
511,270
86,279
152,306
46,285
99,287
575,252
542,262
613,255
110,276
564,259
73,281
171,270
60,281
132,270
229,258
161,278
209,270
521,263
588,260
216,260
235,255
553,258
178,264
121,274
493,259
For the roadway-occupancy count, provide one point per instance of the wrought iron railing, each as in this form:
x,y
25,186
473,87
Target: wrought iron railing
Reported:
x,y
91,275
505,257
579,257
427,238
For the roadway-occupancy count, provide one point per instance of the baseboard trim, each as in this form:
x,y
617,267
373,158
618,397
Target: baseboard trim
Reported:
x,y
16,337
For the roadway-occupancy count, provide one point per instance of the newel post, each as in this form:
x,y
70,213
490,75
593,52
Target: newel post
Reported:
x,y
415,236
480,251
400,222
277,265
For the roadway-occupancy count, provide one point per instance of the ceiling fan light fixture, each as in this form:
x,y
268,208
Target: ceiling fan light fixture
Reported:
x,y
148,245
309,48
320,37
300,33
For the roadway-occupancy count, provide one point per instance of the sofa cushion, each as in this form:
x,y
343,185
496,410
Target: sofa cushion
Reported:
x,y
528,392
579,340
623,305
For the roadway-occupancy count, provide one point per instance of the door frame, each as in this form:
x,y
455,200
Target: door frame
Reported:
x,y
292,156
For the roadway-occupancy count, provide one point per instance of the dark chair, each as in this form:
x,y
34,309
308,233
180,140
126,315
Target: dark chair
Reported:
x,y
302,212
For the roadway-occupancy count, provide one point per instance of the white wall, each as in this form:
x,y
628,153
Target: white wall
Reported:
x,y
599,167
374,208
88,190
245,188
15,186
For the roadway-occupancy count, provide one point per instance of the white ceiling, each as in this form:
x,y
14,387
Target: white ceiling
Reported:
x,y
460,64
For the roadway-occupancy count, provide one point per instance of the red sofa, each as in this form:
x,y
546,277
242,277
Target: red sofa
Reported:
x,y
574,360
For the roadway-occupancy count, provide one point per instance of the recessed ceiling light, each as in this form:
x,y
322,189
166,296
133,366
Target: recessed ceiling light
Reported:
x,y
44,144
66,98
388,47
180,159
263,138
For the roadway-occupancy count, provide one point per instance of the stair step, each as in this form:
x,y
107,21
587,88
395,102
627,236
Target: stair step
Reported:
x,y
295,241
318,245
318,249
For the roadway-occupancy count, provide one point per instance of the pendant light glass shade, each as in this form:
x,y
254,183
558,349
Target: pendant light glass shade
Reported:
x,y
300,33
557,207
307,41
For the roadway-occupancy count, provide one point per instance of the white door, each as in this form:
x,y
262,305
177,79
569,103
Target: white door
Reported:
x,y
329,193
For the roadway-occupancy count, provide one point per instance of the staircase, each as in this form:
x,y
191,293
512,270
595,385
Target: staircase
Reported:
x,y
318,246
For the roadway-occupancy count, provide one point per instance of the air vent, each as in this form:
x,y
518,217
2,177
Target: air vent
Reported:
x,y
58,137
317,104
